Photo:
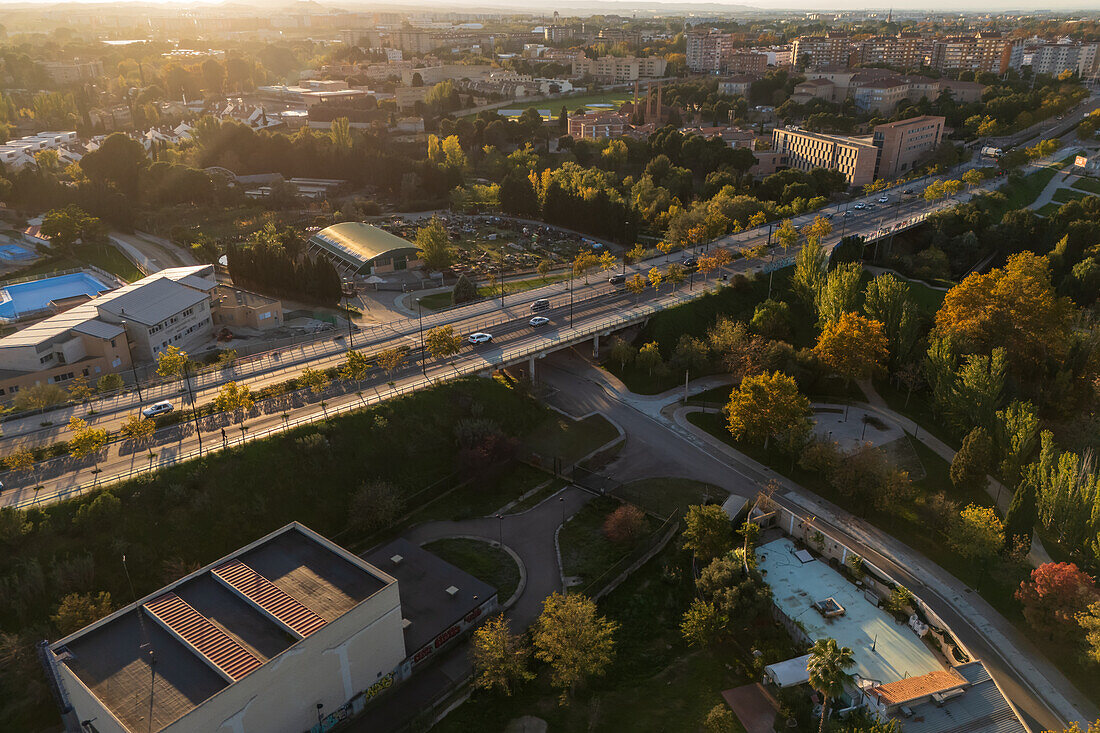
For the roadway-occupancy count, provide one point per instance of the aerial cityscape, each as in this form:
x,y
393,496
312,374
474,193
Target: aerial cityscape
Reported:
x,y
654,367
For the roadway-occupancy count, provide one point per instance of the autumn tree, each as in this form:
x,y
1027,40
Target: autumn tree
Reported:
x,y
649,357
766,406
675,274
109,383
637,253
636,285
21,460
786,234
574,640
703,624
584,262
86,441
499,656
818,229
172,362
235,398
707,532
853,347
390,360
655,279
622,351
356,366
433,245
973,461
1056,592
1014,307
442,341
80,390
137,430
1022,516
315,379
624,525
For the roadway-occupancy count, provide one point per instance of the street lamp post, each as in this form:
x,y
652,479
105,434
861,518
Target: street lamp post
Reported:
x,y
191,394
347,311
423,354
130,351
502,274
500,524
571,272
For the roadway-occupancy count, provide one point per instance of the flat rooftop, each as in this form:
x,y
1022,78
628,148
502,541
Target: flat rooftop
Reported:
x,y
216,625
981,708
422,581
884,651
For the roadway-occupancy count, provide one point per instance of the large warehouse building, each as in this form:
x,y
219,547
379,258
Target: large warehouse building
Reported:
x,y
360,249
277,636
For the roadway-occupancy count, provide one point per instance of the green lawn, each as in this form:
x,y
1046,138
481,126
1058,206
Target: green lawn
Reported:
x,y
488,564
1048,209
570,440
1087,184
1023,192
587,554
438,301
482,496
104,256
1065,195
665,496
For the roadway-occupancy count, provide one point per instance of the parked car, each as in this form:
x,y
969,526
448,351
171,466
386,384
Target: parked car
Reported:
x,y
539,321
884,199
540,305
617,279
158,408
479,338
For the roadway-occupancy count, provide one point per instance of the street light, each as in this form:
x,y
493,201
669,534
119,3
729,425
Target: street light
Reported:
x,y
130,351
423,354
501,525
347,311
571,272
502,274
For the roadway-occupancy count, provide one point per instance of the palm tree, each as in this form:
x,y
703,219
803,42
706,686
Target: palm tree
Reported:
x,y
826,667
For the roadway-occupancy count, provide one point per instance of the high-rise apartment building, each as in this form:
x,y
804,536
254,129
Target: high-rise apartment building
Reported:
x,y
707,49
987,51
903,51
1056,58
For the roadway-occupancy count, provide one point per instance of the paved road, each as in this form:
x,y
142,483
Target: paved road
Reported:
x,y
659,446
283,364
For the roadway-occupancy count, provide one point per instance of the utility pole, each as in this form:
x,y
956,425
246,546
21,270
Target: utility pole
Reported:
x,y
571,299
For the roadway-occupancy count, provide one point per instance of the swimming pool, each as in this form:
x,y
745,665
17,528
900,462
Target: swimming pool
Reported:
x,y
15,253
25,298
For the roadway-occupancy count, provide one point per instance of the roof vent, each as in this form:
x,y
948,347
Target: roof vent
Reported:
x,y
452,591
397,559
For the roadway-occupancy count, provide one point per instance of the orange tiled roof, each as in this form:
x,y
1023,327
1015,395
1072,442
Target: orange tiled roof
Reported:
x,y
911,688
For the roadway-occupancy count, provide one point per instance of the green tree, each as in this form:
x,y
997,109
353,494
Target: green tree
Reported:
x,y
137,430
1089,621
772,319
77,610
1022,516
707,532
719,720
786,234
977,533
1017,439
433,245
574,640
888,300
499,656
464,291
442,341
392,359
40,396
315,379
622,351
827,666
356,366
839,293
973,461
703,624
119,161
235,398
768,405
172,362
809,273
86,441
109,383
690,354
63,227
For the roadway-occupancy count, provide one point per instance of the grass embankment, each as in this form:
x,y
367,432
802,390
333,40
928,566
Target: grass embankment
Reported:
x,y
1023,190
568,439
586,554
667,496
187,515
1087,184
104,256
488,564
656,682
439,301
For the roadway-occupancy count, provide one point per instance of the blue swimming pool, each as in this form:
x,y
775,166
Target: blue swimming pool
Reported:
x,y
24,298
15,253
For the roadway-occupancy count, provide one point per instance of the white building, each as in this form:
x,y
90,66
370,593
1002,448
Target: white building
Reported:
x,y
283,635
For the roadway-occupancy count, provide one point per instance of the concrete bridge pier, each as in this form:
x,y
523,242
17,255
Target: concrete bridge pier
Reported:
x,y
595,346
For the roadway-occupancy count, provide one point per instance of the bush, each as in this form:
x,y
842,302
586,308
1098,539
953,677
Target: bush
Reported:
x,y
719,720
464,291
624,525
376,504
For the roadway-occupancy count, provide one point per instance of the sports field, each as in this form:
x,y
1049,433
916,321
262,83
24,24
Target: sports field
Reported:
x,y
608,101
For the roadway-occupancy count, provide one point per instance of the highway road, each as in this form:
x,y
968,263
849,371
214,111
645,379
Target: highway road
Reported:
x,y
280,365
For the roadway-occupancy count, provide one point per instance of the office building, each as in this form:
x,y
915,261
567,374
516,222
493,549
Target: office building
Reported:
x,y
904,143
597,125
855,157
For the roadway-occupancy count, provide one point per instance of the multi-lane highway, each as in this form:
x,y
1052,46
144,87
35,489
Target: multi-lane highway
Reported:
x,y
596,307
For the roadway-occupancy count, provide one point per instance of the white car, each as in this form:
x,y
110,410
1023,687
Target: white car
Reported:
x,y
479,338
859,205
158,408
884,199
539,321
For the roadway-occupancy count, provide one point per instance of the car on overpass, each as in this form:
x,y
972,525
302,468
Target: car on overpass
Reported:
x,y
539,321
479,337
158,408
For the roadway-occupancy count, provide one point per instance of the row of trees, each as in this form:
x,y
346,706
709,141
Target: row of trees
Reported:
x,y
269,264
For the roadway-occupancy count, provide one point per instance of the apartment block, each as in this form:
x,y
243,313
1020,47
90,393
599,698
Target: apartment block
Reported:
x,y
829,50
620,68
987,51
707,50
745,62
1056,58
903,51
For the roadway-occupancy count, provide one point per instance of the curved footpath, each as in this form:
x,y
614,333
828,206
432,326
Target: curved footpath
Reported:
x,y
1026,676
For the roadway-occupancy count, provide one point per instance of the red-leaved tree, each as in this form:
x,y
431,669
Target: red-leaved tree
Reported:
x,y
1056,592
624,525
